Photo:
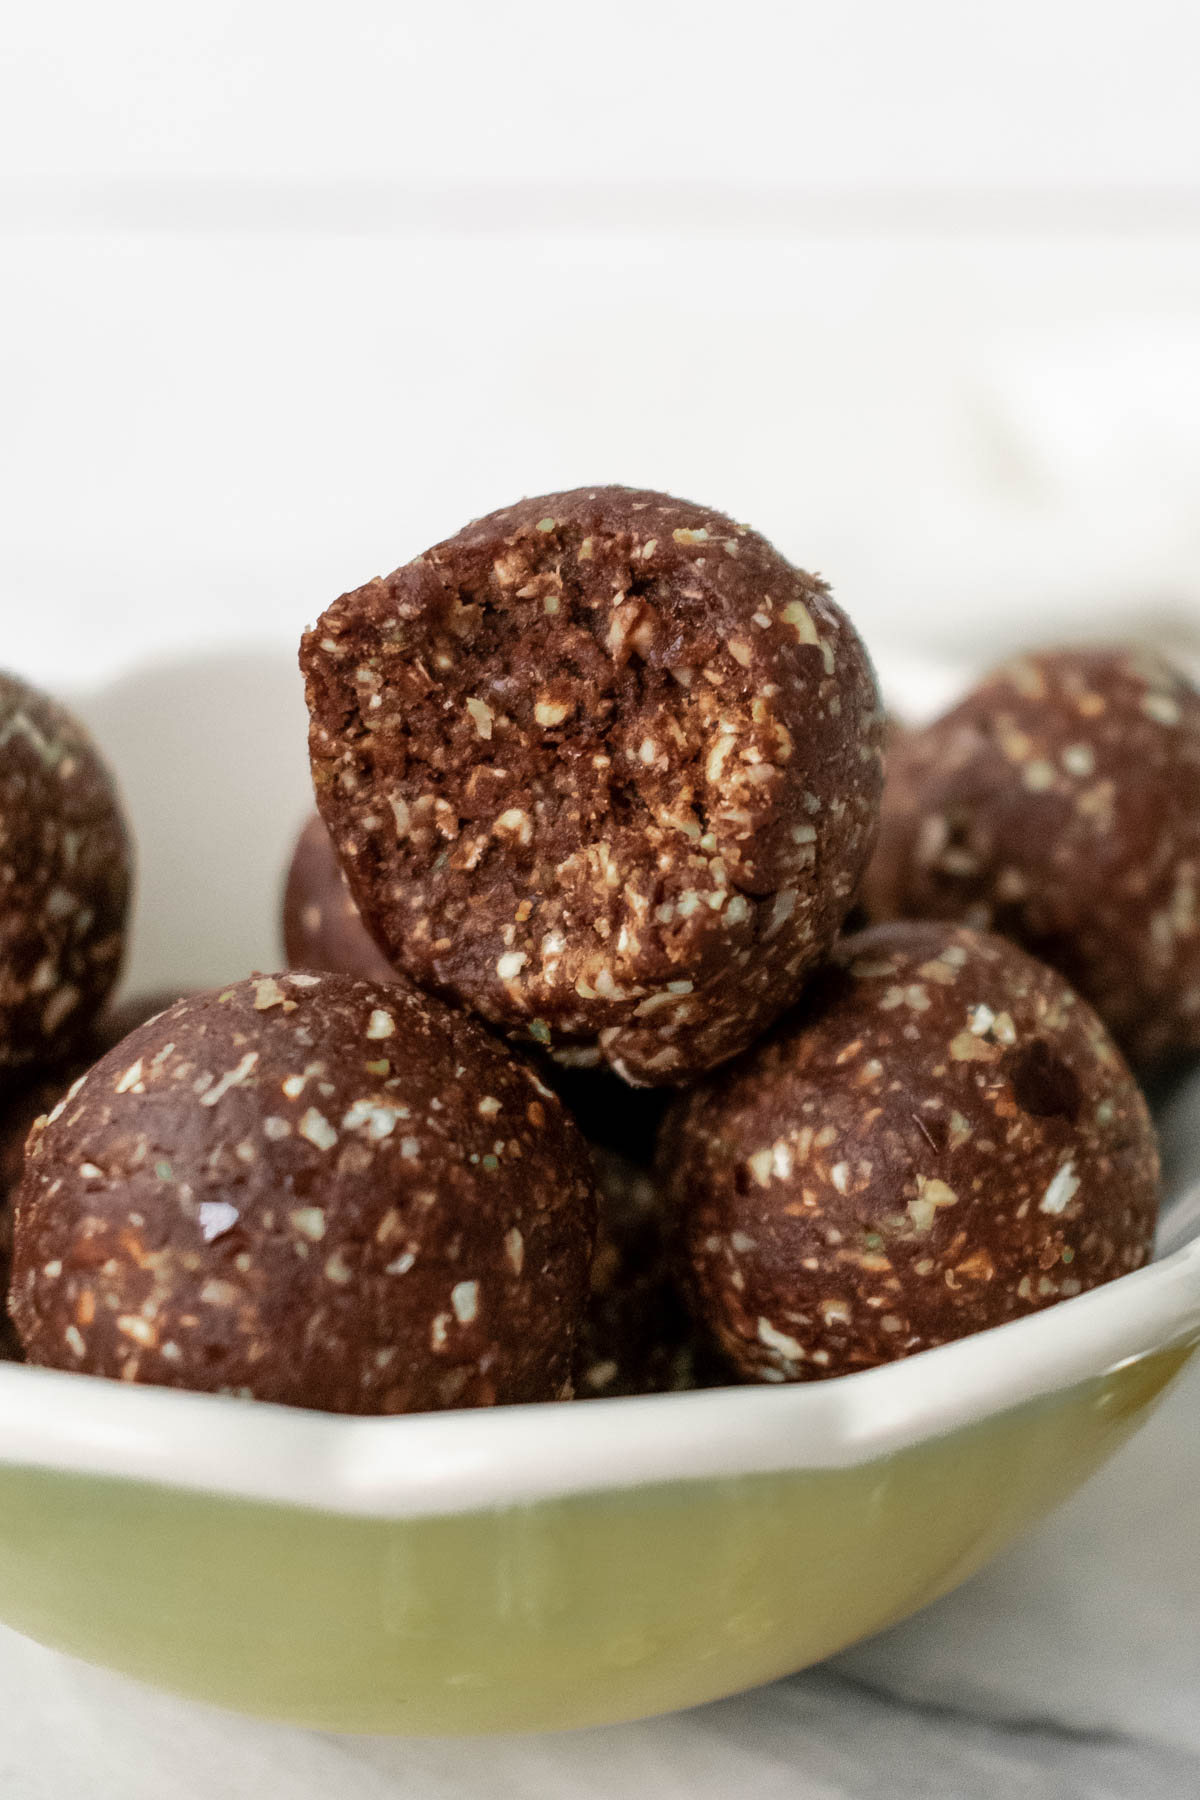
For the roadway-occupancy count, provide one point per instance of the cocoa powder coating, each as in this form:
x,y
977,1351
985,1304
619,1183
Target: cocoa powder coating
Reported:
x,y
603,767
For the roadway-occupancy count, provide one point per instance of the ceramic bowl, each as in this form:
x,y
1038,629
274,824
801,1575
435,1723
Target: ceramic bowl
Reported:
x,y
531,1568
527,1568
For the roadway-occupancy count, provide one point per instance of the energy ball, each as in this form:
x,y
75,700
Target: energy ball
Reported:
x,y
64,880
322,927
1059,804
637,1335
313,1190
943,1138
604,768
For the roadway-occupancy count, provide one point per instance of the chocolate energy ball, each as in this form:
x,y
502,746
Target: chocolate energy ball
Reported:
x,y
637,1335
603,767
322,927
1059,804
944,1137
313,1190
64,880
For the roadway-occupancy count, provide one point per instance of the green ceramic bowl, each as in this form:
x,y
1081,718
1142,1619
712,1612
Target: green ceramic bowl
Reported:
x,y
538,1567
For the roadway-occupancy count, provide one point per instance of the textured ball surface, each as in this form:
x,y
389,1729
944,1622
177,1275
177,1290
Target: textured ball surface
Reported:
x,y
322,927
604,768
1059,804
944,1137
39,1094
64,880
313,1190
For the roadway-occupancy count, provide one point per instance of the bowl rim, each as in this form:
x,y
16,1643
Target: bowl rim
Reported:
x,y
434,1464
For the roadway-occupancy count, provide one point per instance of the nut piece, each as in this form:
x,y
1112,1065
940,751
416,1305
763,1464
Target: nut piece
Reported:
x,y
604,768
64,881
1059,804
943,1138
283,1202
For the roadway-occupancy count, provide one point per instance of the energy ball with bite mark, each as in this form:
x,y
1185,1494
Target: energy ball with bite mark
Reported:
x,y
64,881
312,1190
1059,804
322,927
603,767
637,1335
943,1138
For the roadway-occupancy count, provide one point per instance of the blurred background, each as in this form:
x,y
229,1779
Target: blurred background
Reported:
x,y
290,292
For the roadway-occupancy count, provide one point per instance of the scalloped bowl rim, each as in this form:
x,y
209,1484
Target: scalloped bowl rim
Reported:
x,y
429,1464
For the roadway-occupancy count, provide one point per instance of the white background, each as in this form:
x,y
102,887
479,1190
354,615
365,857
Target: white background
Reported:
x,y
289,291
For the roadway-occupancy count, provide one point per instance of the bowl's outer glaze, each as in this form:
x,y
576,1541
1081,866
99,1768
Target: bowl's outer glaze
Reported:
x,y
568,1611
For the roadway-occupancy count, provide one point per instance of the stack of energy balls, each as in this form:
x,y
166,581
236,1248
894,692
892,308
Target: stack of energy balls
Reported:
x,y
572,1085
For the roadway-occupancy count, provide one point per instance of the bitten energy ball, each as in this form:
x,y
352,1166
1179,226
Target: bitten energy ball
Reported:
x,y
313,1190
637,1335
943,1138
64,880
1059,804
603,767
322,927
